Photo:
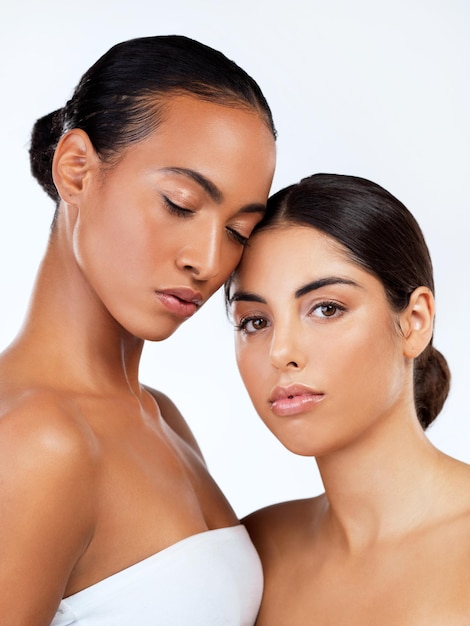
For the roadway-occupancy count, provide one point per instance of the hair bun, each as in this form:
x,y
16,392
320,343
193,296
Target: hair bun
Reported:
x,y
431,384
44,138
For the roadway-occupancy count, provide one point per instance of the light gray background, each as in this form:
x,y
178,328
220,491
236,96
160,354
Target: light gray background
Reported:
x,y
371,88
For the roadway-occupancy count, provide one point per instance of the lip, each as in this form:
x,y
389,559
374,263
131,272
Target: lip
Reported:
x,y
181,301
293,399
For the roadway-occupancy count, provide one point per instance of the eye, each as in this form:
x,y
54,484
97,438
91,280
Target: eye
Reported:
x,y
327,309
175,209
237,237
252,324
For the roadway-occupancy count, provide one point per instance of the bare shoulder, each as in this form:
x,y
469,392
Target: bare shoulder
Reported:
x,y
45,421
174,419
48,461
44,442
458,492
279,527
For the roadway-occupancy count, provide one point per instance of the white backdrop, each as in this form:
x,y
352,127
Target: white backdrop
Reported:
x,y
365,87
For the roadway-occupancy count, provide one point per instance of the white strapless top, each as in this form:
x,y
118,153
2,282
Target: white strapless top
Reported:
x,y
213,578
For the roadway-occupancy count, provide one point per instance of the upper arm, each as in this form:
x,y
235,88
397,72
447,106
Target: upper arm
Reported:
x,y
174,419
46,511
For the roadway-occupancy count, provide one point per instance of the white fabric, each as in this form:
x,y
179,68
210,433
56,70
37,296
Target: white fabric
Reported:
x,y
213,578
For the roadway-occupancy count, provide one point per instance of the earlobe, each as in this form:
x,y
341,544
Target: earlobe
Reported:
x,y
417,322
74,159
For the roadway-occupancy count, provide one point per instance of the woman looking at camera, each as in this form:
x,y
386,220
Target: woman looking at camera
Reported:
x,y
334,344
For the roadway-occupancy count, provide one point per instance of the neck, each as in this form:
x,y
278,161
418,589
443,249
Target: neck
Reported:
x,y
65,318
383,486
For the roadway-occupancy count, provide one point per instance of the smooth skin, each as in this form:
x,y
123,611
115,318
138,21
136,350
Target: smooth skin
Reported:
x,y
389,541
98,472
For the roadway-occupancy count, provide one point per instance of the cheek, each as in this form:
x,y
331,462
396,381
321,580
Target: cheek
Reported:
x,y
230,258
241,358
112,245
371,367
117,255
253,370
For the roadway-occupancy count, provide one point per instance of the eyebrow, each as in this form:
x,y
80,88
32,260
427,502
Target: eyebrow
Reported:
x,y
323,282
212,190
247,296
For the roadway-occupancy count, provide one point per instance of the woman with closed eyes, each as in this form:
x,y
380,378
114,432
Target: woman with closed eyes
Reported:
x,y
160,166
334,343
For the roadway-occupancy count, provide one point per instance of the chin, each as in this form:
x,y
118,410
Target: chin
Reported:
x,y
164,331
299,439
301,449
301,446
160,335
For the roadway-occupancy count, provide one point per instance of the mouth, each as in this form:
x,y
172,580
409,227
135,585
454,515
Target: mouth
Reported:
x,y
293,399
181,301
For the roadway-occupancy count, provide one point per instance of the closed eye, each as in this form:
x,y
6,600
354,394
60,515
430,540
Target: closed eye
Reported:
x,y
237,237
175,209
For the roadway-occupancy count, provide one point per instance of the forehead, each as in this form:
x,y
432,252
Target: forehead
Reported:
x,y
183,114
279,263
283,264
293,251
230,146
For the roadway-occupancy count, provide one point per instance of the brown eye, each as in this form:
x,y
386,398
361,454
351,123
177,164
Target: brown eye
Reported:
x,y
252,324
328,310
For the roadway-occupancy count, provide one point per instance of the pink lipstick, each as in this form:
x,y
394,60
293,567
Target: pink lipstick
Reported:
x,y
293,399
182,301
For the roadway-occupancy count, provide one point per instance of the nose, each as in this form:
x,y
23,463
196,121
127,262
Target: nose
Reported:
x,y
202,255
286,351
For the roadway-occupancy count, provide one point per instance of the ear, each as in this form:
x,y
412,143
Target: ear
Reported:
x,y
417,322
74,160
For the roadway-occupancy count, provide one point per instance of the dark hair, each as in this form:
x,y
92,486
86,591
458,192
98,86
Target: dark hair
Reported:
x,y
118,101
384,238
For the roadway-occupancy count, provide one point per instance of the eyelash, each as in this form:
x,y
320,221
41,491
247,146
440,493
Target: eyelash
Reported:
x,y
237,237
241,327
179,211
331,304
339,310
175,209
